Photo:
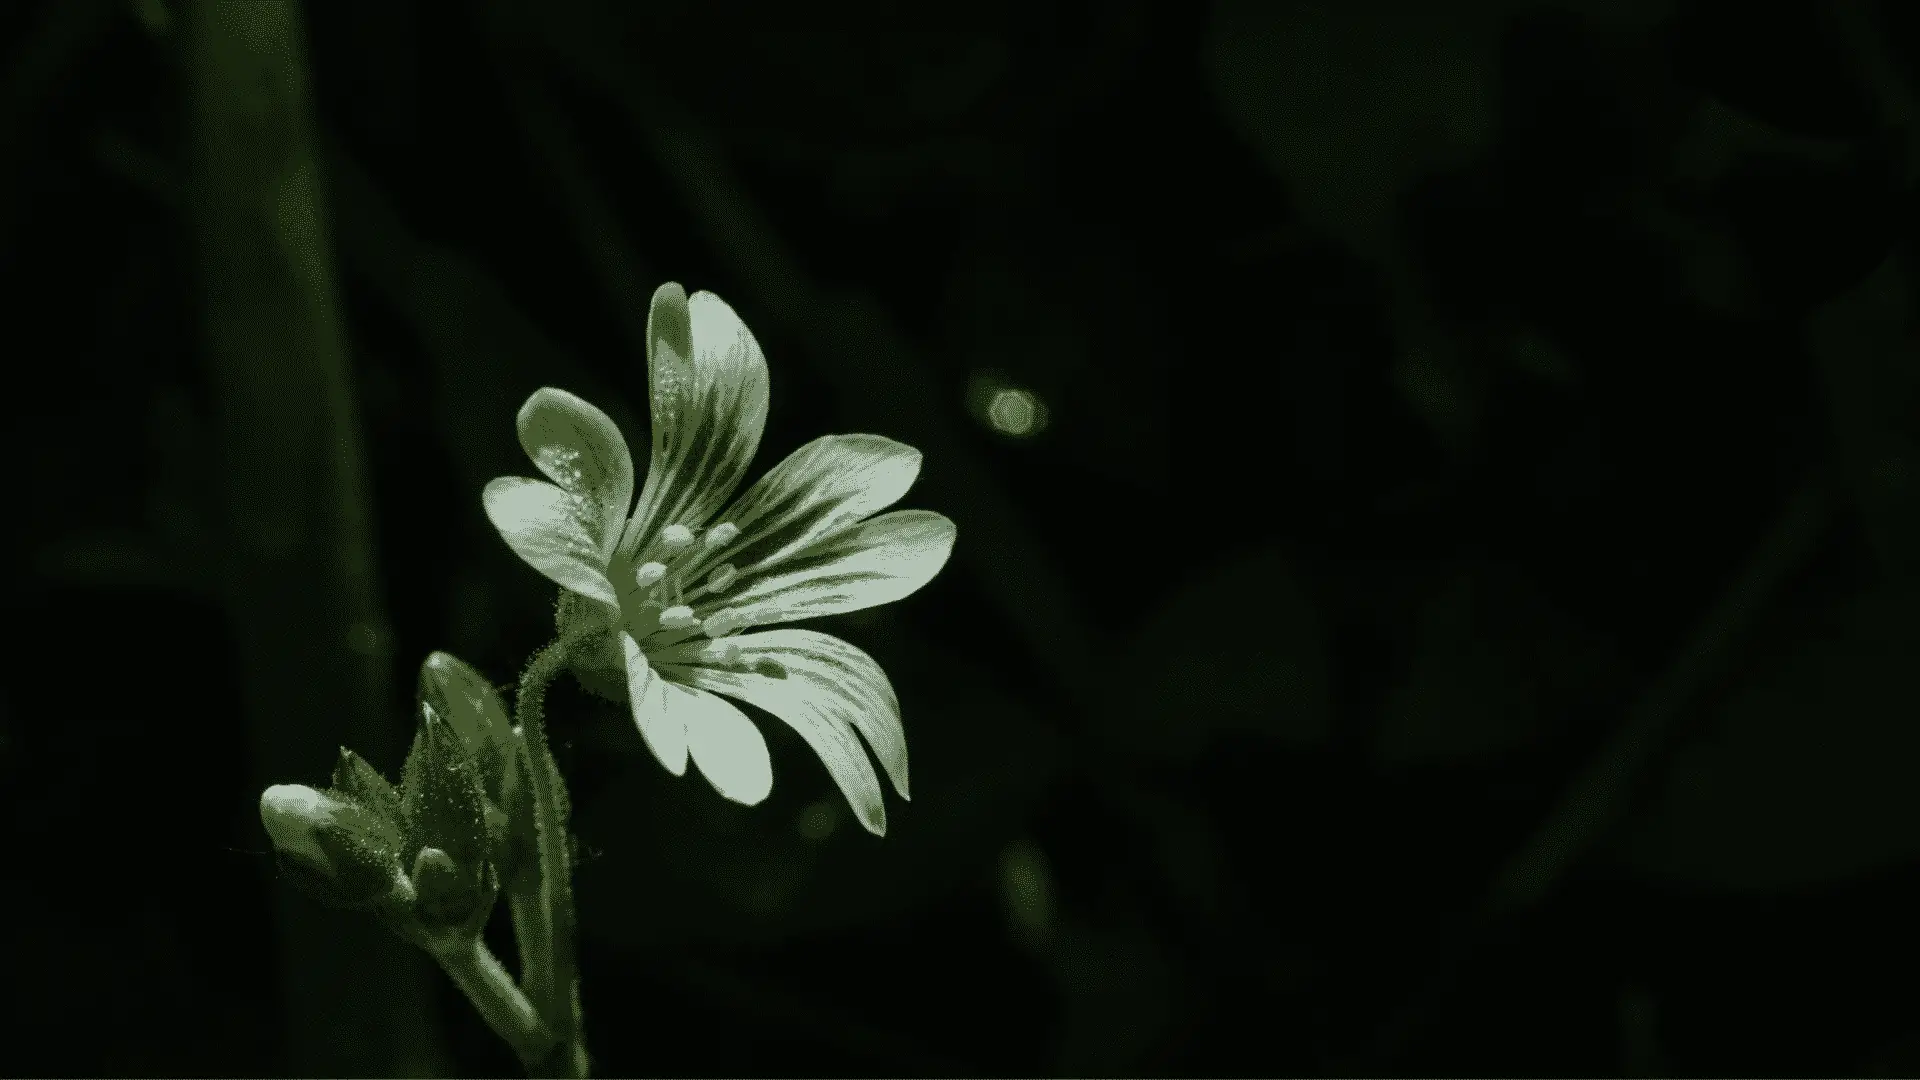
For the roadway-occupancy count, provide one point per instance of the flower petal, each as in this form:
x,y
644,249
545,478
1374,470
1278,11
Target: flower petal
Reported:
x,y
823,487
709,408
581,449
538,522
863,565
830,689
663,728
731,752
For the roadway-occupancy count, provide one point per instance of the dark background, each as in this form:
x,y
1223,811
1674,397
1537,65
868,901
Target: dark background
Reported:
x,y
1456,619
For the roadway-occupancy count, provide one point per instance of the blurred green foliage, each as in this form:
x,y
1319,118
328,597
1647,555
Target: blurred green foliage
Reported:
x,y
1463,582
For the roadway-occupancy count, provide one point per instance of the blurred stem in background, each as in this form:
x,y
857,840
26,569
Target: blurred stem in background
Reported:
x,y
299,565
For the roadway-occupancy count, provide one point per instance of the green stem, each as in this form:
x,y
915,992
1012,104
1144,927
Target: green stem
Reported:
x,y
298,559
533,932
1599,795
547,951
507,1011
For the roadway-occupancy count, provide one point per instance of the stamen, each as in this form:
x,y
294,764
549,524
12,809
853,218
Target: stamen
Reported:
x,y
676,539
727,652
649,574
721,535
721,624
678,617
721,577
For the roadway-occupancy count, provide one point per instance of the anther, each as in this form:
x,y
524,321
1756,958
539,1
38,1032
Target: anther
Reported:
x,y
721,624
676,538
721,577
647,575
678,617
721,535
727,652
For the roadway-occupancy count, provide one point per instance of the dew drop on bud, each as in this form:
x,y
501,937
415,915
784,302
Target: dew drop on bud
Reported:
x,y
721,535
675,538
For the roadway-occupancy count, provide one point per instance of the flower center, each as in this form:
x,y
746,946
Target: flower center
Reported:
x,y
662,600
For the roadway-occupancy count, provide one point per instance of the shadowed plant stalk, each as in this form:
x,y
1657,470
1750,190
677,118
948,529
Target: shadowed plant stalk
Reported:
x,y
299,563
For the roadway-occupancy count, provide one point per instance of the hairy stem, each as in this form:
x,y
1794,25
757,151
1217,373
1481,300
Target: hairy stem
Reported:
x,y
547,950
507,1011
533,932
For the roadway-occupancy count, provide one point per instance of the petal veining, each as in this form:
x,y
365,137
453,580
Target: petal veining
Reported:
x,y
863,565
821,488
709,408
828,690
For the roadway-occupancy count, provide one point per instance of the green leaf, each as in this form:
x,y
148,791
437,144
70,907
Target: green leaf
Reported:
x,y
1866,342
1237,649
360,782
1805,774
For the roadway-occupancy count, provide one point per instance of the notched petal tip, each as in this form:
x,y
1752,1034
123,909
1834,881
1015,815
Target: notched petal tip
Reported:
x,y
579,447
668,322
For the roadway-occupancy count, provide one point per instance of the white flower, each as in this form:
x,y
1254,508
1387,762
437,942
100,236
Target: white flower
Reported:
x,y
668,588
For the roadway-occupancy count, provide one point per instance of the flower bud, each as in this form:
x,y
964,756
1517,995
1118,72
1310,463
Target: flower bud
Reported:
x,y
442,891
360,783
446,811
336,849
472,707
